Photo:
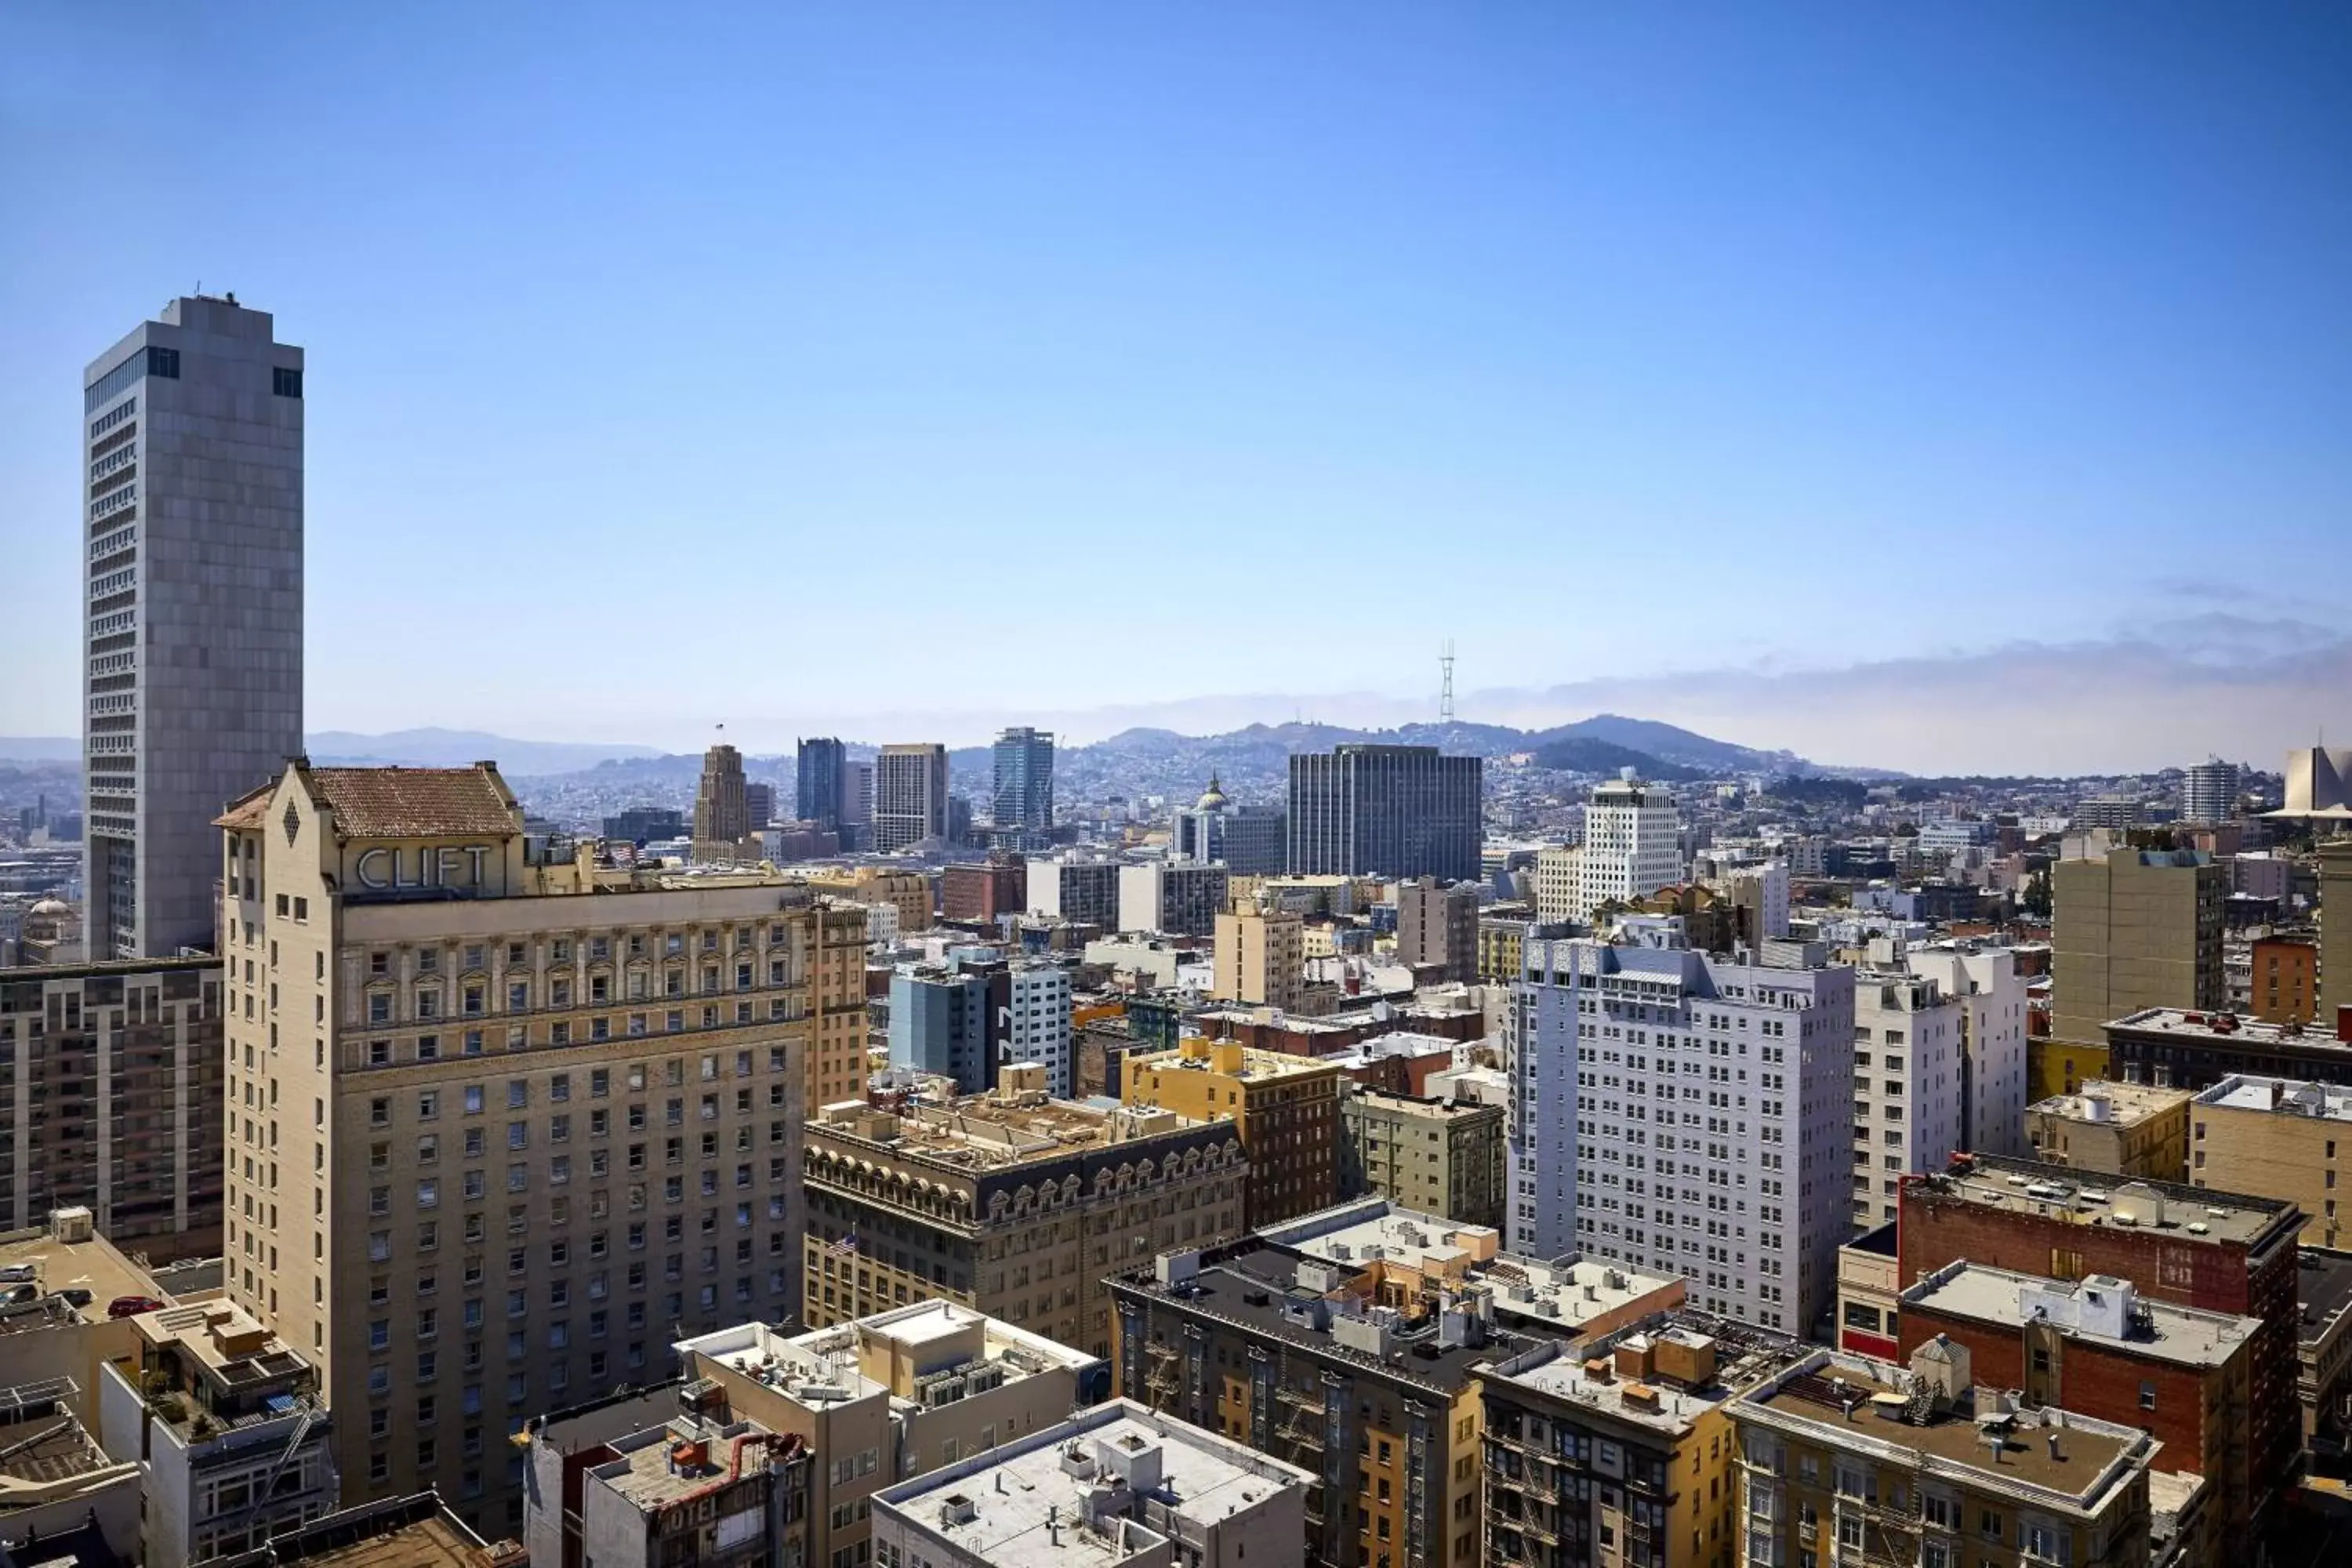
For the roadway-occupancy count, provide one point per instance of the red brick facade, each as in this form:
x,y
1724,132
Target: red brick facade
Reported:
x,y
2257,1281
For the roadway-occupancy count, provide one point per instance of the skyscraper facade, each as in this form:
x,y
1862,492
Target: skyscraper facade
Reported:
x,y
2210,792
192,625
721,816
1385,811
2130,929
910,796
1633,844
1024,783
824,761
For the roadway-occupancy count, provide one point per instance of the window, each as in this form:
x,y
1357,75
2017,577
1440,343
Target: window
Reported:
x,y
284,383
2148,1396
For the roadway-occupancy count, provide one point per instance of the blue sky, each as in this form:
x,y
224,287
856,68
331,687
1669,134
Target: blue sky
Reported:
x,y
954,365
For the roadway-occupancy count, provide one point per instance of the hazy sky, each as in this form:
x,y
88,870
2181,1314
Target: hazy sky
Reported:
x,y
805,367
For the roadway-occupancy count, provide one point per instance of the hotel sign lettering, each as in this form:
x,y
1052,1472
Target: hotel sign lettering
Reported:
x,y
454,866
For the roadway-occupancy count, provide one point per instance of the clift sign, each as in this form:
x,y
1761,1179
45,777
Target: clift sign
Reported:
x,y
453,867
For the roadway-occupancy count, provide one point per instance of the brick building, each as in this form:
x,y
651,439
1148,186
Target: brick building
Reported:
x,y
984,892
2217,1252
2098,1347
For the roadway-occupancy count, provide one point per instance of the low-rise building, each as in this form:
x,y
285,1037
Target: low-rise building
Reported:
x,y
2113,1130
56,1478
2176,1047
1285,1108
1842,1460
873,1402
2097,1347
1010,1202
1870,1289
1115,1485
226,1424
1177,899
2324,1351
2276,1136
1344,1342
2231,1253
909,892
1617,1450
1437,1156
1437,927
2282,980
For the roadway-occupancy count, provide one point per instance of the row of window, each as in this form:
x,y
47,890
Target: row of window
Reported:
x,y
138,363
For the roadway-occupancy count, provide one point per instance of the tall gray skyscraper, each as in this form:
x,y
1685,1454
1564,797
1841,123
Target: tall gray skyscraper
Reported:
x,y
193,450
1024,784
1385,811
910,796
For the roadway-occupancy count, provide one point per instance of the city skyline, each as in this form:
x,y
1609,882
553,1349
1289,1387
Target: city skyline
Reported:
x,y
2106,332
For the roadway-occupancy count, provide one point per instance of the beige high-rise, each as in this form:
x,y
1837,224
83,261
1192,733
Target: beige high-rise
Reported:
x,y
2131,929
502,1124
1261,958
722,816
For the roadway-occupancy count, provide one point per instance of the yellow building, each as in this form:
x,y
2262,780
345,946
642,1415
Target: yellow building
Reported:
x,y
1261,958
503,1120
1285,1110
2276,1138
2130,929
909,892
2113,1130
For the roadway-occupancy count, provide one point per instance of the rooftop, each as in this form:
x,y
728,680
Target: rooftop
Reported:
x,y
1645,1385
58,1266
2009,1300
2058,1191
2103,1103
1847,1401
42,1442
663,1466
398,803
900,1352
992,1132
1069,1496
2323,1289
1257,1288
1436,1108
2234,1028
2279,1097
398,1532
1247,1063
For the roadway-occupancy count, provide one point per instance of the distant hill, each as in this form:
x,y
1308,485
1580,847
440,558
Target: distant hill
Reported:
x,y
1585,755
456,748
1670,743
40,748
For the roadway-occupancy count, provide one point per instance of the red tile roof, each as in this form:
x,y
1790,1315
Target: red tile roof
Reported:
x,y
399,803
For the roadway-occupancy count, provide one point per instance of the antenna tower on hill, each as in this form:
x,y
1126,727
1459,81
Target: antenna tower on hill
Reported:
x,y
1445,694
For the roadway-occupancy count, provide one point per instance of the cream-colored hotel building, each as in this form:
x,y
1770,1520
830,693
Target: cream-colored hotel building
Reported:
x,y
503,1124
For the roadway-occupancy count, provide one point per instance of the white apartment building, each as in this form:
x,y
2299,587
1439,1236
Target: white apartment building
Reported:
x,y
1633,844
1037,1022
1907,1071
1981,980
1176,899
1684,1116
1119,1483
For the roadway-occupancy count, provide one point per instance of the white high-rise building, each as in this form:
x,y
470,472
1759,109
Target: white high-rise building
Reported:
x,y
1681,1115
1983,981
1633,844
2210,792
910,798
1559,888
1037,1022
1907,1073
192,621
